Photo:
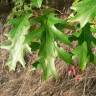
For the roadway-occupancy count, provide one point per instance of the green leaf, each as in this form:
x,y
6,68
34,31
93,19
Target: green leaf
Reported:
x,y
59,35
86,35
81,53
37,3
18,46
86,10
48,51
47,54
67,57
52,20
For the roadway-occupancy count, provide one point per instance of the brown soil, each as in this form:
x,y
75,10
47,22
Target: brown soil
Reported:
x,y
25,82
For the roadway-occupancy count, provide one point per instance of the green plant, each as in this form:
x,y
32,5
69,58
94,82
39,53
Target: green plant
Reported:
x,y
43,30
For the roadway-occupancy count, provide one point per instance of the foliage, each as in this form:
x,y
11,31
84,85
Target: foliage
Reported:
x,y
86,13
42,31
16,41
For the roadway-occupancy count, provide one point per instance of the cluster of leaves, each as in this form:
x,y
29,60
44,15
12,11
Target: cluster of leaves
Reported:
x,y
43,31
85,37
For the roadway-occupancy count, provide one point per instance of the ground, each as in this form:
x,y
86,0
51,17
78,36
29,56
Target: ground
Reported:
x,y
25,82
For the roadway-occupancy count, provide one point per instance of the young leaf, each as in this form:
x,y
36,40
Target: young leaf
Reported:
x,y
86,10
47,54
18,45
